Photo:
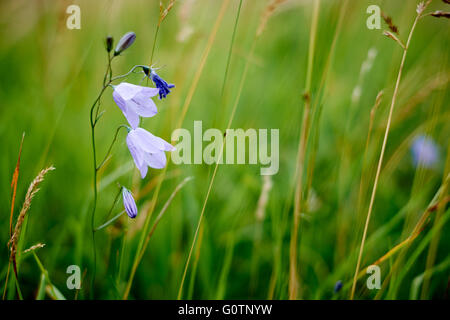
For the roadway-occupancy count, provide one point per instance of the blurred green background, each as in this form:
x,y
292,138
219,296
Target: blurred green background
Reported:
x,y
51,75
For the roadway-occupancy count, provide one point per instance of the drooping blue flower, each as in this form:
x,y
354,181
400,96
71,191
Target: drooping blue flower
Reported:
x,y
147,150
425,152
135,101
161,84
338,286
129,203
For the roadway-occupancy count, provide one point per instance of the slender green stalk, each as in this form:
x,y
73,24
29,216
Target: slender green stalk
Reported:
x,y
184,110
154,44
380,160
362,187
236,102
200,227
94,207
293,254
149,235
43,271
107,223
432,250
93,122
110,147
230,51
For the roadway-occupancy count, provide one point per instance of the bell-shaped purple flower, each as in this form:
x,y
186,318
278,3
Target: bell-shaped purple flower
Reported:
x,y
129,203
425,152
147,150
135,101
161,84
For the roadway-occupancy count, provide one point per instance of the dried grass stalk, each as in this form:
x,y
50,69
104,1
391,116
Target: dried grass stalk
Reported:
x,y
34,247
268,12
32,190
439,14
389,22
163,12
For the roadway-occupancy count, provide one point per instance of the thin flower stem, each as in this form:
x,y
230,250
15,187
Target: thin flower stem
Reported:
x,y
94,207
293,248
108,69
225,77
119,191
163,210
154,43
43,271
110,147
362,187
233,112
230,50
93,123
434,243
140,253
380,160
179,124
107,223
126,74
212,36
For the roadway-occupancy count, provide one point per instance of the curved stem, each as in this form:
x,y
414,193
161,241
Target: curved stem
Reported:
x,y
108,69
140,253
127,74
110,147
107,223
94,156
114,203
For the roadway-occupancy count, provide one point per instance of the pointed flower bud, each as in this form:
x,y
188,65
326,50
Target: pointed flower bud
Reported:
x,y
126,41
109,43
128,203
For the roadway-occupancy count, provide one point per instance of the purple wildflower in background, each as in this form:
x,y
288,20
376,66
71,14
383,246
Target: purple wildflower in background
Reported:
x,y
161,84
129,203
425,152
147,150
338,286
125,42
135,101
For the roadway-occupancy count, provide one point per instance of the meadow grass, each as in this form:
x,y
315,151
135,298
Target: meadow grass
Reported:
x,y
347,194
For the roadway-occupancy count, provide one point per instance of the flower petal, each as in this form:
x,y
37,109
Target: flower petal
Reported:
x,y
129,113
129,203
144,140
127,90
147,139
149,92
143,105
138,156
156,160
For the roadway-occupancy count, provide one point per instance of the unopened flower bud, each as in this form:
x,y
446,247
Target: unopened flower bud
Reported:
x,y
126,41
109,43
129,203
